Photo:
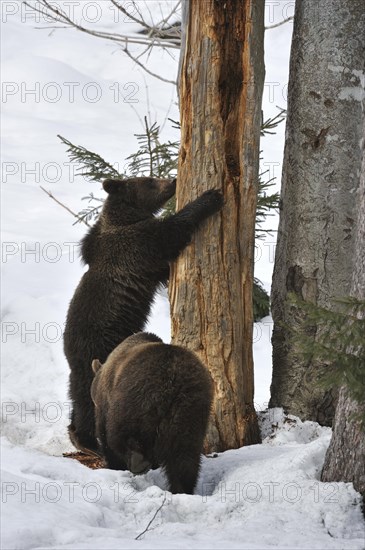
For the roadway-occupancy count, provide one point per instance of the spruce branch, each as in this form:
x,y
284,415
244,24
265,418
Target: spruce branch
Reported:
x,y
336,337
266,203
160,159
272,123
150,135
92,166
261,302
153,157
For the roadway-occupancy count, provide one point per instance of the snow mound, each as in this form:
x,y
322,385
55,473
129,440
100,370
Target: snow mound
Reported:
x,y
278,428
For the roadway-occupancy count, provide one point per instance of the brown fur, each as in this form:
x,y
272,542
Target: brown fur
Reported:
x,y
128,251
152,407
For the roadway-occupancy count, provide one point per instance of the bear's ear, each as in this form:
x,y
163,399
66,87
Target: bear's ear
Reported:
x,y
112,186
96,365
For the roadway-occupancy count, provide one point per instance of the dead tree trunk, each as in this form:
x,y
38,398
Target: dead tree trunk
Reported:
x,y
345,458
314,254
221,82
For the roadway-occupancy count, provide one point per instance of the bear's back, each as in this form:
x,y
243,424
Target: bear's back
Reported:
x,y
155,379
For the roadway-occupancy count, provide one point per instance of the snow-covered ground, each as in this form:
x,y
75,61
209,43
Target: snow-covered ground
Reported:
x,y
257,497
65,82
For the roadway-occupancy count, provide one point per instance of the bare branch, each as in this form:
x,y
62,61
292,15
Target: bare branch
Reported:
x,y
152,520
280,23
154,30
149,11
145,50
53,27
165,20
58,16
125,50
167,114
64,206
140,21
136,113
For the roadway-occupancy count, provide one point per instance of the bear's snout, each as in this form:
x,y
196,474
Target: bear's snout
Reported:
x,y
137,464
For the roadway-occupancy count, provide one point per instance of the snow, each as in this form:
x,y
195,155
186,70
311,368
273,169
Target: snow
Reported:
x,y
256,497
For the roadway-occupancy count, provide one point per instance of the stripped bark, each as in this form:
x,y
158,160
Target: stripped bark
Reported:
x,y
221,83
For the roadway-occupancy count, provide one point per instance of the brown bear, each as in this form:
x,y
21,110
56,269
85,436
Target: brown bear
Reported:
x,y
152,405
128,251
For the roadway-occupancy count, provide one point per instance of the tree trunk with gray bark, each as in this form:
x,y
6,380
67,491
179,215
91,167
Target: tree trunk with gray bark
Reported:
x,y
322,160
221,83
345,458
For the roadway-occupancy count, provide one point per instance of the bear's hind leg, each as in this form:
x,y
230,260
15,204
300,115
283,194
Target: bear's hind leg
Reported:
x,y
82,428
113,461
182,471
83,440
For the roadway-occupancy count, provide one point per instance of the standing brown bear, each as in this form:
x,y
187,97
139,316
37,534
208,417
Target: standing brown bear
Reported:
x,y
128,251
152,404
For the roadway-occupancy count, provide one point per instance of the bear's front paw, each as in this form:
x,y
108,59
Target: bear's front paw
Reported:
x,y
213,198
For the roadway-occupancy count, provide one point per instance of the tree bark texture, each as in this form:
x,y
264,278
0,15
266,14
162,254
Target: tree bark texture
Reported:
x,y
322,160
345,458
221,83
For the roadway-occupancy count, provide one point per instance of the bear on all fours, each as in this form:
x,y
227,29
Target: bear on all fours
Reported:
x,y
152,405
128,251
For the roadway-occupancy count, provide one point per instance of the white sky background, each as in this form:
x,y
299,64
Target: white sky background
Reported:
x,y
65,82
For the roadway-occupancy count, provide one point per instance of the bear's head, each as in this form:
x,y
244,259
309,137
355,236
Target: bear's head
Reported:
x,y
135,199
115,358
135,456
